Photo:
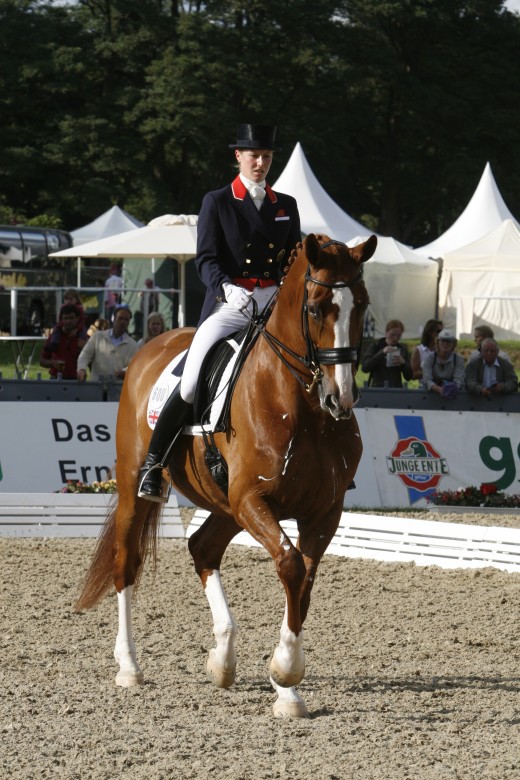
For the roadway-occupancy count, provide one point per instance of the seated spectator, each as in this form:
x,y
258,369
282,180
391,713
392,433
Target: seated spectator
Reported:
x,y
386,359
489,374
108,352
155,325
62,348
426,347
99,324
443,370
481,332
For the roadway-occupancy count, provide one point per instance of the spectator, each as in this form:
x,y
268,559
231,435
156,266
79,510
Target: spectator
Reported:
x,y
489,374
443,370
385,360
155,325
108,352
148,303
72,296
62,348
113,291
426,347
481,332
99,324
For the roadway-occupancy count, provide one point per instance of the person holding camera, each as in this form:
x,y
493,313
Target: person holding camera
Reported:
x,y
386,361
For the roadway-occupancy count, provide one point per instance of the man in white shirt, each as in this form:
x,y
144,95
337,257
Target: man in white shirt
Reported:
x,y
108,352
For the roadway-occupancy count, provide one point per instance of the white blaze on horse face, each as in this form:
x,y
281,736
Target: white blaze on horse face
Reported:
x,y
344,300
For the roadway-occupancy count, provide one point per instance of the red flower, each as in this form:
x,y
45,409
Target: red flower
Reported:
x,y
488,489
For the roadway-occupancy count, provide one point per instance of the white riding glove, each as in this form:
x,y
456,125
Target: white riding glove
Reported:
x,y
236,296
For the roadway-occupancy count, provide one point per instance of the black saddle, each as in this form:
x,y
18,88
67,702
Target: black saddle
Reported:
x,y
211,373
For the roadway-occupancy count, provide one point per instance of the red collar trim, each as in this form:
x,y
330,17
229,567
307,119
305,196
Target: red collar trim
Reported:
x,y
239,190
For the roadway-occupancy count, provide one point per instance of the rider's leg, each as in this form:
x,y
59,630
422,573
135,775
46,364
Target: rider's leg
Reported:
x,y
223,321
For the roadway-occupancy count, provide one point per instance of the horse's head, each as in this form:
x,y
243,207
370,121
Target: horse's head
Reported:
x,y
334,304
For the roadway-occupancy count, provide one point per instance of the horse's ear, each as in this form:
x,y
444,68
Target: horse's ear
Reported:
x,y
312,248
363,252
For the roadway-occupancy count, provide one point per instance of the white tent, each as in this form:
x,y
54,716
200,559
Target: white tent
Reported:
x,y
402,284
171,235
318,212
485,212
480,284
113,221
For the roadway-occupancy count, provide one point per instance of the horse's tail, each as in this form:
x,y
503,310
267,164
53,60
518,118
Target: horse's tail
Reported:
x,y
99,577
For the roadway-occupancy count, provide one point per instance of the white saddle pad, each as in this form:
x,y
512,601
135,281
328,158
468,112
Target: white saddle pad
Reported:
x,y
168,381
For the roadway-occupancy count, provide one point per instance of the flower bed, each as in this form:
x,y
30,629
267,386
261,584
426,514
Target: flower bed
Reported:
x,y
74,486
487,495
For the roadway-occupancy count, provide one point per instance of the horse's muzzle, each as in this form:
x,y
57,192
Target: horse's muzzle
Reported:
x,y
331,404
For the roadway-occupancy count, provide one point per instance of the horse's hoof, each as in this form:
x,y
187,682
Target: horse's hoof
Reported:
x,y
129,679
219,675
290,709
284,679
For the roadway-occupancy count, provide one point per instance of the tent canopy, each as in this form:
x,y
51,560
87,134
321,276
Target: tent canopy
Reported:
x,y
318,212
480,284
113,221
402,284
484,213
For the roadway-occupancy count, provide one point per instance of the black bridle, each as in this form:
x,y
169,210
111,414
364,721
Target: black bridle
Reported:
x,y
314,357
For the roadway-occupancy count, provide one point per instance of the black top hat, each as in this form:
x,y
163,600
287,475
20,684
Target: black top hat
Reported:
x,y
255,137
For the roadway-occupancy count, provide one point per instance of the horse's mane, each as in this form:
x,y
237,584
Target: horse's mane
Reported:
x,y
296,251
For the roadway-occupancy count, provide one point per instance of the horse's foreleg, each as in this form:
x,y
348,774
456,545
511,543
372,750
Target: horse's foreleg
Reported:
x,y
207,546
289,703
287,665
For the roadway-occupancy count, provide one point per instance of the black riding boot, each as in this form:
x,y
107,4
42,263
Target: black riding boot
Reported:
x,y
166,430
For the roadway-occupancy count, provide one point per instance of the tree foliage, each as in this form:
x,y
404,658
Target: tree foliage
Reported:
x,y
398,104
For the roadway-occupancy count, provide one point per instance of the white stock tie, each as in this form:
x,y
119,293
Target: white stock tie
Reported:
x,y
258,195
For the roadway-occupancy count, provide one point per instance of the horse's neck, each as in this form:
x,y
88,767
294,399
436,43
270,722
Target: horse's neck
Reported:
x,y
285,320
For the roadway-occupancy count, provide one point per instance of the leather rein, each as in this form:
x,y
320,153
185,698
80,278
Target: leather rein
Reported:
x,y
314,357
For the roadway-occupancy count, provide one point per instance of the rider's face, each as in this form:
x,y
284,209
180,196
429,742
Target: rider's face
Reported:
x,y
254,164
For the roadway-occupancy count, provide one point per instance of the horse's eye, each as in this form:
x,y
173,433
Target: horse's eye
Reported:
x,y
313,310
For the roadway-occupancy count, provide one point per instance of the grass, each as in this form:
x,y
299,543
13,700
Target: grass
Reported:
x,y
7,366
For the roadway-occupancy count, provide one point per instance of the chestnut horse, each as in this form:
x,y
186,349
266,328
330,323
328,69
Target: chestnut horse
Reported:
x,y
292,449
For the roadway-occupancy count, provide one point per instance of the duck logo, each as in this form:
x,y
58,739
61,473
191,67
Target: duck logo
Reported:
x,y
414,460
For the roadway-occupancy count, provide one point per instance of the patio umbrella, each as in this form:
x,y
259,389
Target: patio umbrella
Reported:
x,y
171,235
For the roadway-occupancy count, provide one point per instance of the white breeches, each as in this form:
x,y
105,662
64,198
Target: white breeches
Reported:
x,y
223,320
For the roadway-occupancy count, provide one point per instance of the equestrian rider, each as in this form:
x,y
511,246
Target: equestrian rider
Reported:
x,y
245,233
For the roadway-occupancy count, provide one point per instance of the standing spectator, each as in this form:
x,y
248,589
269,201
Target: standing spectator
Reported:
x,y
426,347
72,296
108,352
155,325
113,291
386,360
148,303
62,348
481,332
489,374
443,370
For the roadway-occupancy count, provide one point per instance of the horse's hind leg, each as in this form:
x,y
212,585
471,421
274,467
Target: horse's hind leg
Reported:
x,y
128,559
207,546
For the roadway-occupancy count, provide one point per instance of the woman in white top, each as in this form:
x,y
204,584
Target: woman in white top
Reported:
x,y
426,347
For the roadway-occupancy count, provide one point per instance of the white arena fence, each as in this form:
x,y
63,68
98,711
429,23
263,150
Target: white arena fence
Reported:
x,y
373,537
